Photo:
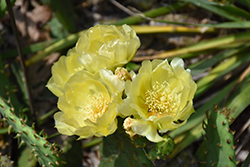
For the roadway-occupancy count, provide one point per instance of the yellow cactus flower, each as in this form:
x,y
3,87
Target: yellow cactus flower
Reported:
x,y
160,98
62,70
89,104
104,46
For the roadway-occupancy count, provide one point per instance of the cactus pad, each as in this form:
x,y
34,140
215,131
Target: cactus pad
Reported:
x,y
46,153
220,145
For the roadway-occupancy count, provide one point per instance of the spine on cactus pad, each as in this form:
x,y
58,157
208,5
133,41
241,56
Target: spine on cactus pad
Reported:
x,y
46,153
220,144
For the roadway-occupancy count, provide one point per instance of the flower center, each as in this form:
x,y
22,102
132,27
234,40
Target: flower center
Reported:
x,y
161,100
98,105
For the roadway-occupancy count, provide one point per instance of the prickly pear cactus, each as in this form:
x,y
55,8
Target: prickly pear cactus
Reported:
x,y
118,151
162,149
5,161
46,153
220,145
155,150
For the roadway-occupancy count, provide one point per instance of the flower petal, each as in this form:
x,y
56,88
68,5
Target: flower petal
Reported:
x,y
146,129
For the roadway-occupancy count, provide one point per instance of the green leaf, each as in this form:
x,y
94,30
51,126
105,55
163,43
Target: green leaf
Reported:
x,y
189,137
220,70
28,49
240,101
228,11
57,28
187,52
229,25
151,14
204,65
65,13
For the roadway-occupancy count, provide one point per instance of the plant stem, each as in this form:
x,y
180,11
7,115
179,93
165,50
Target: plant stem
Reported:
x,y
13,25
93,142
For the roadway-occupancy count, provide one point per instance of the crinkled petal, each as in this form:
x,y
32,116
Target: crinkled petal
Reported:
x,y
159,97
64,124
91,101
147,129
108,47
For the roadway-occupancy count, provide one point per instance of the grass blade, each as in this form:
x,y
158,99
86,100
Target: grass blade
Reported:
x,y
240,101
150,14
220,70
29,49
228,11
229,25
207,63
204,45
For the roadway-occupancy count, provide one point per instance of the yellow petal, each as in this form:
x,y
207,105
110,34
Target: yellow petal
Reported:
x,y
65,125
143,128
92,102
107,47
62,70
159,97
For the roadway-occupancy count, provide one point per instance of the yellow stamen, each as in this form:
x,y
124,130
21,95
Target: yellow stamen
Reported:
x,y
161,100
98,105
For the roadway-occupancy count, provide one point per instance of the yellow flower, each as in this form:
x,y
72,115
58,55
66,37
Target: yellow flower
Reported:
x,y
89,104
104,46
159,98
62,70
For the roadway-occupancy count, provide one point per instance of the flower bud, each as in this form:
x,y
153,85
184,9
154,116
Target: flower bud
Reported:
x,y
123,74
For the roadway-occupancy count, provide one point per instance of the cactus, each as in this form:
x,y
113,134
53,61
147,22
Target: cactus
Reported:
x,y
46,153
117,150
156,150
220,146
5,161
162,149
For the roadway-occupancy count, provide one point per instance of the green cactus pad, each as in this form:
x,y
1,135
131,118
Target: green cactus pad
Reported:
x,y
220,145
46,153
117,150
5,161
162,149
